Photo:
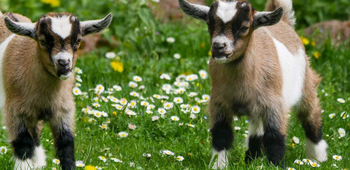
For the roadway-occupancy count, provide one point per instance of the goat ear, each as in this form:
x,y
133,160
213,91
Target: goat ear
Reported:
x,y
94,26
21,28
267,18
194,10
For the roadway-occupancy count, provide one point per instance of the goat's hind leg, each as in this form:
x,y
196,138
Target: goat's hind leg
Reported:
x,y
309,114
222,137
254,140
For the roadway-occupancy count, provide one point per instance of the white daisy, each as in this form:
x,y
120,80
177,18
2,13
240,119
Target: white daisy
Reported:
x,y
80,164
133,84
76,91
170,40
161,111
340,100
337,157
78,70
295,140
178,100
331,115
341,132
175,118
110,55
99,89
203,74
155,118
102,158
180,158
168,105
299,162
195,109
123,134
117,88
137,78
177,56
3,150
165,76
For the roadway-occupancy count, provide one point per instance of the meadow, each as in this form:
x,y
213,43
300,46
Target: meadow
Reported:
x,y
142,103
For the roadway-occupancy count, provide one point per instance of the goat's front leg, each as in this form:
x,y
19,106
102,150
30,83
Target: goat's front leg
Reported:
x,y
62,126
222,136
275,127
254,140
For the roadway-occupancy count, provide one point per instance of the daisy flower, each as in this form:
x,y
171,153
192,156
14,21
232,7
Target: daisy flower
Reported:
x,y
314,164
77,85
157,96
344,115
78,70
299,162
131,164
133,84
149,111
155,118
165,76
337,157
96,105
144,103
180,158
331,115
132,126
290,168
178,100
104,126
99,88
114,100
206,97
180,90
78,79
167,152
116,160
237,128
119,107
193,116
170,40
102,158
110,55
97,114
203,74
3,150
135,94
175,118
123,134
133,104
341,132
80,164
191,77
161,111
195,109
150,107
190,125
168,105
137,78
76,91
307,161
177,56
296,140
123,101
340,100
192,94
117,88
166,87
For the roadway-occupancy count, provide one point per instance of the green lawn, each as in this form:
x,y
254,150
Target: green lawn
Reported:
x,y
145,52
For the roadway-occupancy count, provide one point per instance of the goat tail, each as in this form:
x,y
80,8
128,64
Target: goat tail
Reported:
x,y
288,12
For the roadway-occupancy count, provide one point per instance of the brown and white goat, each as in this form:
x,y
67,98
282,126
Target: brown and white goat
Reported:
x,y
36,62
259,69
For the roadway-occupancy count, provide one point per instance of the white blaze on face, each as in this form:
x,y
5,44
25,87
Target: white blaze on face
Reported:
x,y
226,10
61,26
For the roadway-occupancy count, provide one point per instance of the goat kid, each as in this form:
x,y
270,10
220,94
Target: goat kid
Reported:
x,y
36,62
259,69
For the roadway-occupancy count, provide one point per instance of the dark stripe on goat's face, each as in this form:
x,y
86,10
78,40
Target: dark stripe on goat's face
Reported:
x,y
231,28
45,31
76,34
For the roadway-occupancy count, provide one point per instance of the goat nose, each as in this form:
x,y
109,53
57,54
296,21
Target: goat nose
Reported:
x,y
63,63
219,46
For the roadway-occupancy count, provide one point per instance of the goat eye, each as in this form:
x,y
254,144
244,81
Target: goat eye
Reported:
x,y
242,30
78,41
42,42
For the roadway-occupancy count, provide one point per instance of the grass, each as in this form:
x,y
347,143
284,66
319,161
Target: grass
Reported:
x,y
192,143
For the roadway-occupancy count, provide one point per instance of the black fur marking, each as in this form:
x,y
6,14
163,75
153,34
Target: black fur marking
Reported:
x,y
255,148
311,133
237,23
97,27
45,114
240,108
15,28
75,32
193,11
268,19
274,144
24,144
65,149
45,30
222,134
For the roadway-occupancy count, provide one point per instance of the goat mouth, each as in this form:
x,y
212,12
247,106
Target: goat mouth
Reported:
x,y
222,58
